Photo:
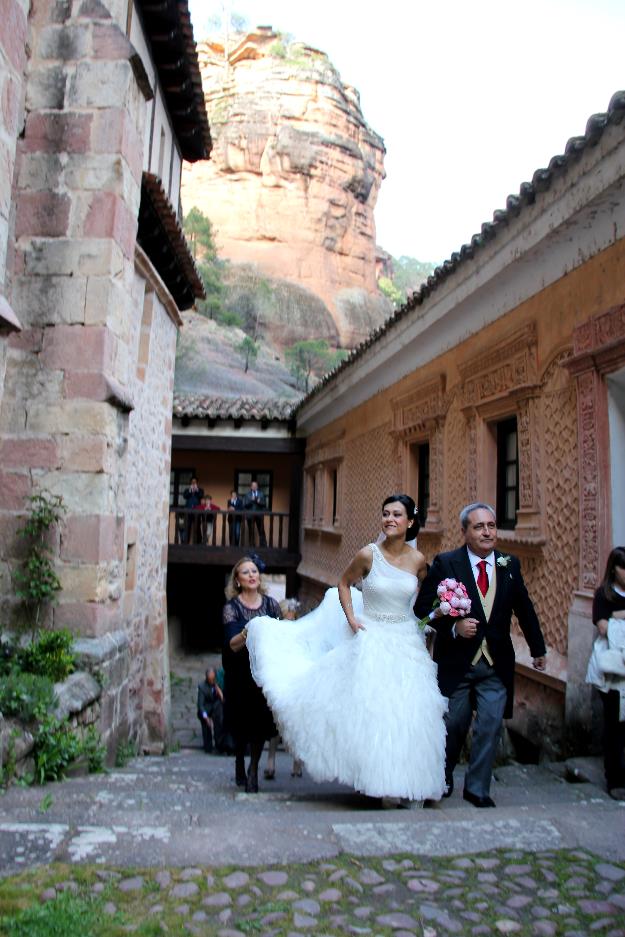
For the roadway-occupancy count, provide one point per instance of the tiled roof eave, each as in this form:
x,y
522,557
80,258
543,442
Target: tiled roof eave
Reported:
x,y
542,180
198,406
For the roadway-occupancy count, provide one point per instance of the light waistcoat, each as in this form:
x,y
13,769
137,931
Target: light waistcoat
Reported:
x,y
487,604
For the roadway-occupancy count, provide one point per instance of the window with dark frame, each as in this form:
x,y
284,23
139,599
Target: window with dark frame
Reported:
x,y
179,479
423,482
243,479
507,473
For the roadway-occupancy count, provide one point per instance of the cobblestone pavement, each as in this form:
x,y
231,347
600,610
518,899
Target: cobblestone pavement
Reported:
x,y
169,845
568,893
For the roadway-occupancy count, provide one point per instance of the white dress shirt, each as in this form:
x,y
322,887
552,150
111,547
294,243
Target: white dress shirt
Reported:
x,y
474,559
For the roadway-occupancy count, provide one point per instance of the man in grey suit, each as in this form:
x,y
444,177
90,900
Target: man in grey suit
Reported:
x,y
475,655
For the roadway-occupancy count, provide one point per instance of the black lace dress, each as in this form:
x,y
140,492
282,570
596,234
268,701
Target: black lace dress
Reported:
x,y
247,716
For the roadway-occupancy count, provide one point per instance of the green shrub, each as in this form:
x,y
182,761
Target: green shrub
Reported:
x,y
125,751
50,655
56,747
26,695
67,914
94,750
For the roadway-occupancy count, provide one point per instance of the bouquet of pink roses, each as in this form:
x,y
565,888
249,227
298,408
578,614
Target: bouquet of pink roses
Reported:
x,y
452,599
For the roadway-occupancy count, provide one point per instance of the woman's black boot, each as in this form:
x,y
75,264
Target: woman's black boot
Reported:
x,y
240,775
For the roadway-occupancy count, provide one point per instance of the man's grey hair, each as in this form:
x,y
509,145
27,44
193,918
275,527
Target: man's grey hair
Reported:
x,y
464,513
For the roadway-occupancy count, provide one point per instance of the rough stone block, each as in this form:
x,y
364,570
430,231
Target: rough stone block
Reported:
x,y
98,172
67,43
14,33
13,546
109,42
75,694
79,348
14,489
83,583
73,416
40,171
46,88
10,105
85,385
43,214
52,300
81,489
58,132
108,216
27,341
107,303
86,454
32,453
114,132
100,84
69,256
93,10
89,620
93,538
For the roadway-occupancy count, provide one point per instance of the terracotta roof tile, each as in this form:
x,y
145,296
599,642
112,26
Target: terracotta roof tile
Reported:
x,y
233,408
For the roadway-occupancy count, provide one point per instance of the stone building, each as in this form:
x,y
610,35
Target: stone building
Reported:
x,y
502,379
101,102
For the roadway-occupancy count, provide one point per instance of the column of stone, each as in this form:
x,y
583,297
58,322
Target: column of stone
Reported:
x,y
65,411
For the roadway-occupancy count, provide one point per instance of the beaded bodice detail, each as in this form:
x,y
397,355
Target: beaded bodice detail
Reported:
x,y
388,592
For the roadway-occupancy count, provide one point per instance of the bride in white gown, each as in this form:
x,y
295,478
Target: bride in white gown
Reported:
x,y
351,685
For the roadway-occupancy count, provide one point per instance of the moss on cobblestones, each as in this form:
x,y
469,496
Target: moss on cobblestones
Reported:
x,y
552,894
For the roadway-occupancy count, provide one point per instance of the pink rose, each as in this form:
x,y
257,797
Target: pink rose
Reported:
x,y
448,596
454,612
455,602
445,608
451,583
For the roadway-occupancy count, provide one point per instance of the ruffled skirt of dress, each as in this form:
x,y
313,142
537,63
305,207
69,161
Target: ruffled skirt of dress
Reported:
x,y
362,709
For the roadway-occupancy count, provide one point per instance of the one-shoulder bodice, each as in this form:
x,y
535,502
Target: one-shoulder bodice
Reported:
x,y
388,592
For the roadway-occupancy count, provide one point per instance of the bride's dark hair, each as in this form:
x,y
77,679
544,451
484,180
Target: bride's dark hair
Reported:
x,y
411,511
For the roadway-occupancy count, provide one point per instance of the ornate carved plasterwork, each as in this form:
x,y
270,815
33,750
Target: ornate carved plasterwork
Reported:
x,y
508,366
600,331
332,450
497,384
598,349
418,417
413,411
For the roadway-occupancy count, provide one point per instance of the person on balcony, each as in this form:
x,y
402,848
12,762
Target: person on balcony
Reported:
x,y
255,501
206,520
235,504
192,498
248,717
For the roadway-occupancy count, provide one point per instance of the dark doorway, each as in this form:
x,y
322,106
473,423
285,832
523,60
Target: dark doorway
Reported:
x,y
195,596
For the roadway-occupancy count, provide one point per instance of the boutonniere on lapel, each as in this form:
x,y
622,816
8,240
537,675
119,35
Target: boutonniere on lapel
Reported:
x,y
504,561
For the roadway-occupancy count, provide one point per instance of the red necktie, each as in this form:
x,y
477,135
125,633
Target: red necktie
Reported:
x,y
482,577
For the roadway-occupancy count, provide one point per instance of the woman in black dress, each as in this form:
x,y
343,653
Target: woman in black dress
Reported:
x,y
609,602
247,715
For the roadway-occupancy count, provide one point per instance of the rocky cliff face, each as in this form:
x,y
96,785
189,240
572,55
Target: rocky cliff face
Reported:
x,y
294,174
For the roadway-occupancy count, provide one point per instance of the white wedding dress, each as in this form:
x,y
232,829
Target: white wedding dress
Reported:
x,y
363,709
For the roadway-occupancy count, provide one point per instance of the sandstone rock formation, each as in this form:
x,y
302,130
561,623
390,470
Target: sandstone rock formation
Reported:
x,y
294,174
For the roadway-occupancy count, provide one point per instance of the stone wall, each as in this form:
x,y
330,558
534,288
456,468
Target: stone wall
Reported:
x,y
86,408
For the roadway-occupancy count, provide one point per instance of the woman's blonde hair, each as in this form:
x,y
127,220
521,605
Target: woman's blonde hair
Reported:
x,y
232,587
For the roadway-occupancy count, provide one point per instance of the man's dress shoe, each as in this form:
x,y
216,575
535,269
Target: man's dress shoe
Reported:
x,y
478,801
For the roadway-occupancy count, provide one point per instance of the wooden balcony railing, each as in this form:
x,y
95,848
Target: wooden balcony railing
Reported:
x,y
221,529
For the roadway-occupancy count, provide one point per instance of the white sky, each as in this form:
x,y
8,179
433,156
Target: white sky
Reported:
x,y
470,97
